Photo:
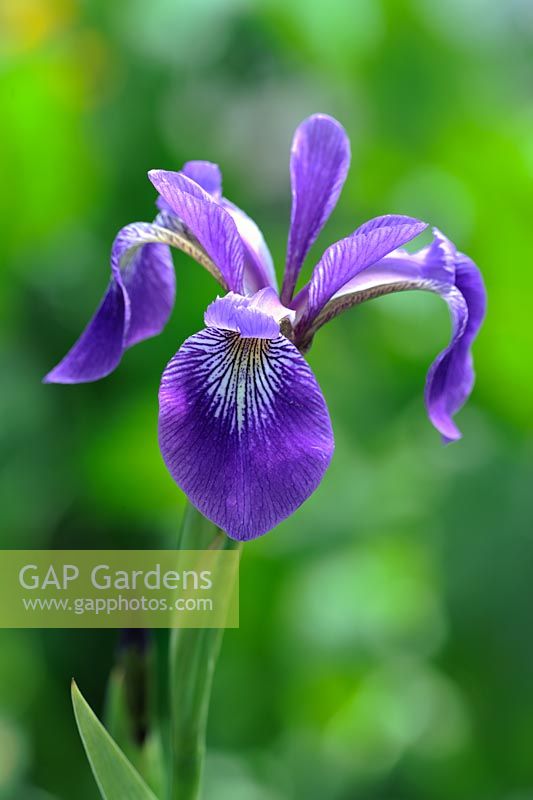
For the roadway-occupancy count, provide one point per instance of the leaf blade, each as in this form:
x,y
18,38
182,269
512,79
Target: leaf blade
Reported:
x,y
114,774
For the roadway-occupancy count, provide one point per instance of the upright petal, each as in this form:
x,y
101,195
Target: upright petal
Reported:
x,y
258,264
206,220
320,158
136,305
243,427
207,175
344,260
437,268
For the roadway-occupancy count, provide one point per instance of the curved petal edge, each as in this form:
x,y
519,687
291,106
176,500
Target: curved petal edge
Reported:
x,y
320,159
437,268
135,307
243,428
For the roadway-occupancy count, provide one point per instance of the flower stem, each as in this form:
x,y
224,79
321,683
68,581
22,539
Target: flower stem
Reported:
x,y
193,657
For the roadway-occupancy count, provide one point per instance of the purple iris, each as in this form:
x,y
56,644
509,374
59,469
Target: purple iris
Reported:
x,y
243,426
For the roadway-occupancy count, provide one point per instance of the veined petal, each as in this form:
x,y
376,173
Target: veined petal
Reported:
x,y
398,271
320,158
437,268
345,259
258,265
210,224
136,305
206,174
146,271
243,428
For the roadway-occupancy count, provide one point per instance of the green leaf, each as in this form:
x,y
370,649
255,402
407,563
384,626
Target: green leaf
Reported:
x,y
115,776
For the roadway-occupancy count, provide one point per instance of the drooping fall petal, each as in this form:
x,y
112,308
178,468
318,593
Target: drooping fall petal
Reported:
x,y
345,259
136,305
436,268
243,428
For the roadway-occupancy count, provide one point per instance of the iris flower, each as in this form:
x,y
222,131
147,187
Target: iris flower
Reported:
x,y
243,426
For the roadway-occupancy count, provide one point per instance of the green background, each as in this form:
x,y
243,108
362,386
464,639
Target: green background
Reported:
x,y
386,643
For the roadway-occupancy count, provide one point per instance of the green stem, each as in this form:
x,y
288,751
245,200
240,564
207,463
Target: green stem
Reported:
x,y
193,657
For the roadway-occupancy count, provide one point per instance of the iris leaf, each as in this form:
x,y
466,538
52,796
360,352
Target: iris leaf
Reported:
x,y
115,776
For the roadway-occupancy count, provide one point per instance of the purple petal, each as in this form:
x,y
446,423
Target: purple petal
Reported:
x,y
205,174
451,376
100,347
344,260
320,158
436,268
267,300
208,222
229,314
243,428
136,305
433,263
258,265
147,275
258,316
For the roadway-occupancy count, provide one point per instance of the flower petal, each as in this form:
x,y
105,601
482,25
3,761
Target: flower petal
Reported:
x,y
136,305
451,376
437,268
146,272
320,158
243,428
258,316
207,175
100,347
258,264
345,259
206,220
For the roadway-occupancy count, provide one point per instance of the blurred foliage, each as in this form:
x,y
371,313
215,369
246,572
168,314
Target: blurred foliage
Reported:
x,y
385,648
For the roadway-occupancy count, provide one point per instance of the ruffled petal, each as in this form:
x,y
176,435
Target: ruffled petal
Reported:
x,y
212,226
258,316
243,427
320,158
345,259
437,268
136,305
